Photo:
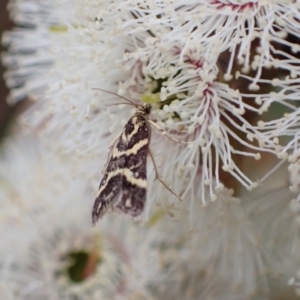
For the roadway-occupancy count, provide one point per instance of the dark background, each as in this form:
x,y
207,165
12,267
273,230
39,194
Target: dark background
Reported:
x,y
5,110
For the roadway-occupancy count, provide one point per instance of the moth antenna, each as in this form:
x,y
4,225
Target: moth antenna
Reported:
x,y
121,103
115,94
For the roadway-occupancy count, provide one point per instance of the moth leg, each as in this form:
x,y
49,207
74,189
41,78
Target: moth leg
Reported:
x,y
159,179
170,137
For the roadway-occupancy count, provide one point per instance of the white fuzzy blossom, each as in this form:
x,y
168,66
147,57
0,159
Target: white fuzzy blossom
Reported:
x,y
276,219
192,61
30,59
222,79
233,249
51,251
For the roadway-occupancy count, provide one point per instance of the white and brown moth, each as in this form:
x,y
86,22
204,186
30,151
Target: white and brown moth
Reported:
x,y
124,184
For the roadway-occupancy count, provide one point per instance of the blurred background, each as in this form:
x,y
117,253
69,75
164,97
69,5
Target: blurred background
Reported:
x,y
5,110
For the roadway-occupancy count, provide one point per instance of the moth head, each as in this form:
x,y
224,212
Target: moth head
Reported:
x,y
144,109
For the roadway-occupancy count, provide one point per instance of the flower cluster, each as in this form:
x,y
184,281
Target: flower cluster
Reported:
x,y
60,256
222,79
206,67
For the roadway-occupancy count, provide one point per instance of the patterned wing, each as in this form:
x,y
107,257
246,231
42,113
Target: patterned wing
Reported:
x,y
134,178
111,183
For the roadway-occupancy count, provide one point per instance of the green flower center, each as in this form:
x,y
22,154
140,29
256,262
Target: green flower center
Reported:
x,y
82,265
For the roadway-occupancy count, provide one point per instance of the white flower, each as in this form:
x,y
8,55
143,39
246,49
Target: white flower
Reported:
x,y
177,56
51,251
228,261
30,60
160,58
276,219
193,62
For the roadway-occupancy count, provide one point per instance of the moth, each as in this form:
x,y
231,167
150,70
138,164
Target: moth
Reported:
x,y
124,184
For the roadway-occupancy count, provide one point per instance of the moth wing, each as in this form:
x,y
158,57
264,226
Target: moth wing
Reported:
x,y
134,178
111,183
